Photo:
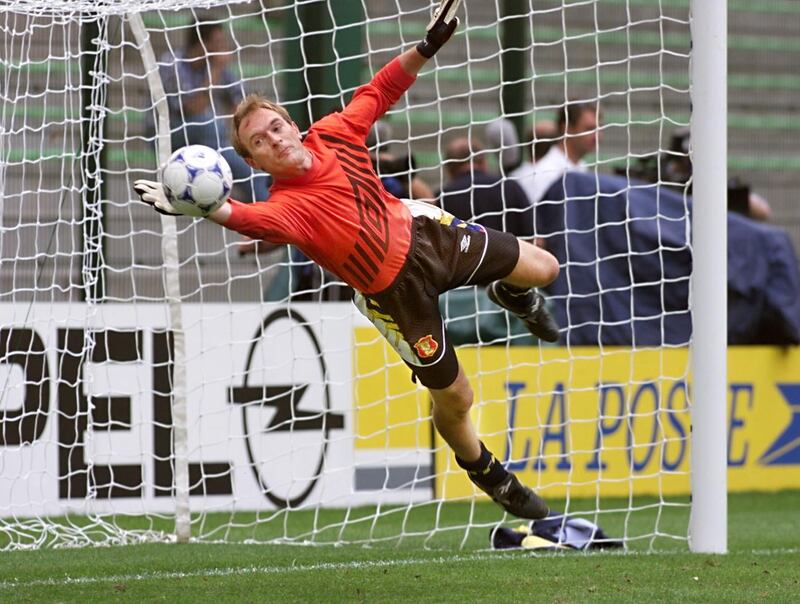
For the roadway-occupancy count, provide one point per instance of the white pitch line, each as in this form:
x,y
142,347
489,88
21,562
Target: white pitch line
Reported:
x,y
353,565
779,550
252,570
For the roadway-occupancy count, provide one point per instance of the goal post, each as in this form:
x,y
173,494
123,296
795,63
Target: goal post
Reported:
x,y
206,393
709,520
172,288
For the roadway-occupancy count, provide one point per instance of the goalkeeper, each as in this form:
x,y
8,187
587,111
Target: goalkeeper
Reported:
x,y
398,255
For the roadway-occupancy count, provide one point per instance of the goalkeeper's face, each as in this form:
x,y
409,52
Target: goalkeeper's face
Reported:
x,y
274,144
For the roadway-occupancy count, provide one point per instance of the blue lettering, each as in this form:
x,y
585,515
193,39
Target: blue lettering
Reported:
x,y
673,418
639,465
555,430
514,466
607,423
736,422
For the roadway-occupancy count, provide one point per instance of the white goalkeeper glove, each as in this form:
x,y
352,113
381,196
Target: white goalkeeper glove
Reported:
x,y
152,193
441,27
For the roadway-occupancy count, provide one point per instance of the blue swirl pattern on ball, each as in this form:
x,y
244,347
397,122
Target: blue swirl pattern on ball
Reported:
x,y
197,180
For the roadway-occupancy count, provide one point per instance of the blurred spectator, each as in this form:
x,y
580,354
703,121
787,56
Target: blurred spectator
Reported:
x,y
543,136
577,133
397,173
475,195
627,263
399,178
677,168
202,91
673,167
501,135
758,207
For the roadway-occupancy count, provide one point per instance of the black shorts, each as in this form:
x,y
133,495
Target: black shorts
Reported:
x,y
445,253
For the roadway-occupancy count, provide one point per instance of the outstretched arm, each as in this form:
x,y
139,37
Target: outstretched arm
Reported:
x,y
372,100
442,25
411,61
368,104
263,221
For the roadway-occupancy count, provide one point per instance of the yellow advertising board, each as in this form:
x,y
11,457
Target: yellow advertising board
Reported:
x,y
591,422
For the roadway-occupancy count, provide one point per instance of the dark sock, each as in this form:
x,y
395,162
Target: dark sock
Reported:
x,y
517,299
486,471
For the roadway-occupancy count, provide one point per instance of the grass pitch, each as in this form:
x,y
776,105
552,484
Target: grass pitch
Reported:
x,y
763,565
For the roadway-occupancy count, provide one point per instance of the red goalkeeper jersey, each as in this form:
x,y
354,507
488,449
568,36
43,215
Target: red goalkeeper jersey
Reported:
x,y
338,213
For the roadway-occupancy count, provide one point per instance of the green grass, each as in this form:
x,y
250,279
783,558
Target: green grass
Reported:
x,y
763,564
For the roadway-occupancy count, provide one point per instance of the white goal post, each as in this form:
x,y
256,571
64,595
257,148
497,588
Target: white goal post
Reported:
x,y
172,288
160,381
709,523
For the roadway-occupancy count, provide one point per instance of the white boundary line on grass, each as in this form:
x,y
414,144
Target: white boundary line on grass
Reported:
x,y
252,570
273,570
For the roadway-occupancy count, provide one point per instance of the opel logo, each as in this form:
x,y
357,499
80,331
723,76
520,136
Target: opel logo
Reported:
x,y
286,408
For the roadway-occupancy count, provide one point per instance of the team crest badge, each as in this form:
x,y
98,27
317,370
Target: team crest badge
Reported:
x,y
426,347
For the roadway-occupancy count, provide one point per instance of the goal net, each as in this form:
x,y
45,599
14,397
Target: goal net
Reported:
x,y
164,379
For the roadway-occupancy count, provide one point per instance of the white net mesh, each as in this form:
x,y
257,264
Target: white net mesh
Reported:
x,y
101,7
302,424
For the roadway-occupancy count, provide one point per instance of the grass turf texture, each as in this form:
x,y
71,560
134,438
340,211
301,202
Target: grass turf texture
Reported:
x,y
763,564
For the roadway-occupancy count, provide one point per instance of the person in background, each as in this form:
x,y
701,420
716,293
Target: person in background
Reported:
x,y
473,194
202,92
397,173
577,135
543,136
501,137
676,168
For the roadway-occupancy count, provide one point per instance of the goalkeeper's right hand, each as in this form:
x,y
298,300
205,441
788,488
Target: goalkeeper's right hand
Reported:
x,y
152,193
442,25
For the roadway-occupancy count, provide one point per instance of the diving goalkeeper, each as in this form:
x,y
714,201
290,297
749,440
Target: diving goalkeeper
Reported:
x,y
398,255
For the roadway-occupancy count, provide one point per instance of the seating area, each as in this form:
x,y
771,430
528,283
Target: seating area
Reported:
x,y
641,78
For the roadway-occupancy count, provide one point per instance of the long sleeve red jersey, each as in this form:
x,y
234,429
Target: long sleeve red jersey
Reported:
x,y
338,213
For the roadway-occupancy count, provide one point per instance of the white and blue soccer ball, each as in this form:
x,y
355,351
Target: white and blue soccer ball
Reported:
x,y
197,180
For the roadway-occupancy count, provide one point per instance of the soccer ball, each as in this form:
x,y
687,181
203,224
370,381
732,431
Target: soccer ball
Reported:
x,y
197,180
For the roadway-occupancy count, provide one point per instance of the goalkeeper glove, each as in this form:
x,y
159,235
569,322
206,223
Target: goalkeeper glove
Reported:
x,y
152,193
442,25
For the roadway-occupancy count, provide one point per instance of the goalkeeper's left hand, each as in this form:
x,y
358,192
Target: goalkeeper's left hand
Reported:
x,y
152,193
442,25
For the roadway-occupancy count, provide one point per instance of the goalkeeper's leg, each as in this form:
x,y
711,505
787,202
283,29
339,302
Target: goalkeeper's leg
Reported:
x,y
515,292
451,417
449,253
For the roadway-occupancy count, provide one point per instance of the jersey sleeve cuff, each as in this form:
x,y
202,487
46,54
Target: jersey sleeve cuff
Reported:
x,y
394,78
397,72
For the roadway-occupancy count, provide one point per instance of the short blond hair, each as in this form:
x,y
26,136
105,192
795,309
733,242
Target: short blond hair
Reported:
x,y
251,103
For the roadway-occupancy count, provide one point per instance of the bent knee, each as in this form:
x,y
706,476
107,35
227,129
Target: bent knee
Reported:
x,y
550,268
454,407
456,398
536,267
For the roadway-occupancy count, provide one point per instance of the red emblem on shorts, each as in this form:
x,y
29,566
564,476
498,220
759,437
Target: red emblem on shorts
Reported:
x,y
426,347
